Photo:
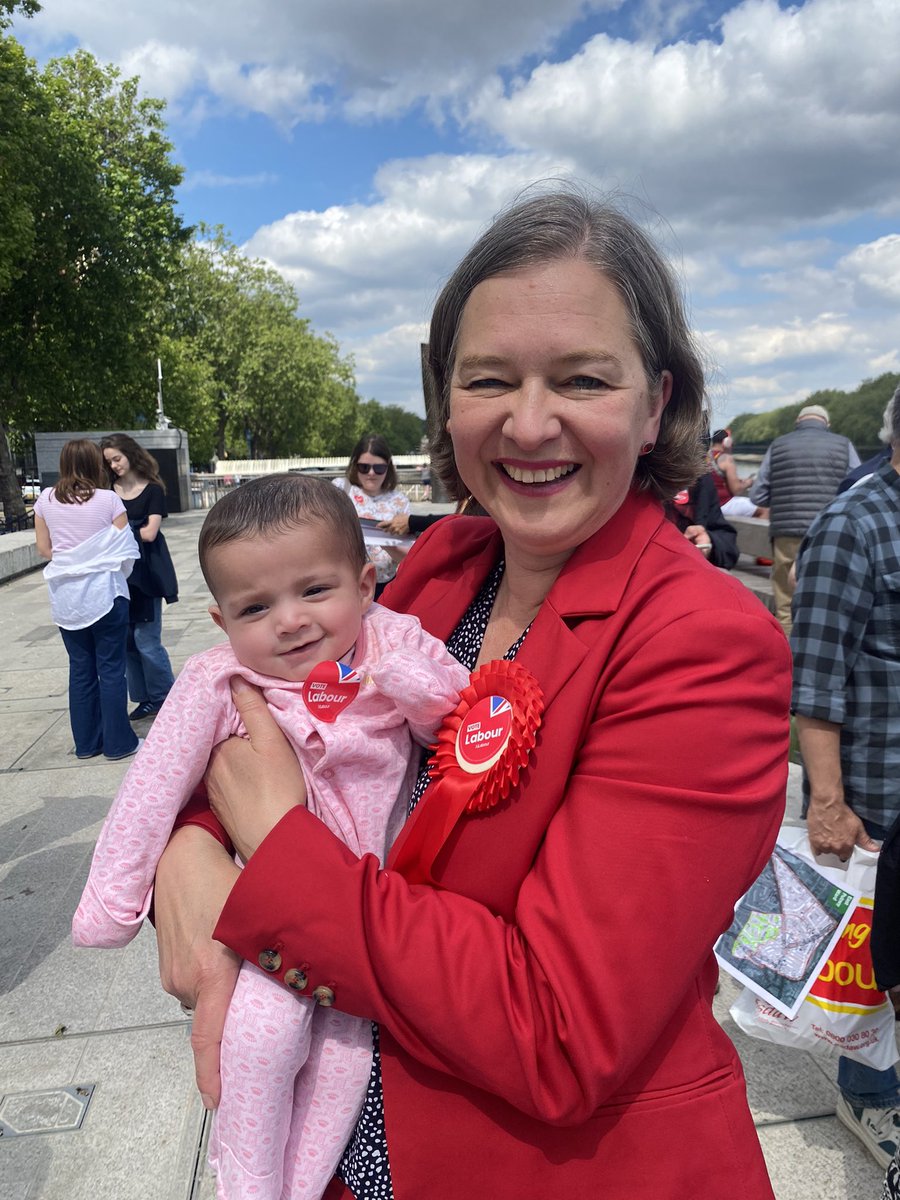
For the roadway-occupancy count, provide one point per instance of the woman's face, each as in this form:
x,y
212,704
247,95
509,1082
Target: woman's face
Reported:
x,y
369,480
116,461
549,405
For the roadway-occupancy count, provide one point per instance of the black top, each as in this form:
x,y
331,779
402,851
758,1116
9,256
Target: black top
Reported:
x,y
701,507
153,575
148,503
365,1167
419,522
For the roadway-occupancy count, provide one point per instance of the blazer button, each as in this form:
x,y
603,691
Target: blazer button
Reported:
x,y
323,995
269,960
296,978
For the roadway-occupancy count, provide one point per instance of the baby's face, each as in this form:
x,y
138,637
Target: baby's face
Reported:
x,y
289,600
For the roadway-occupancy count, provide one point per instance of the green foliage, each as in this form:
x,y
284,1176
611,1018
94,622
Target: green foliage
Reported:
x,y
97,236
280,389
402,430
27,8
857,414
98,278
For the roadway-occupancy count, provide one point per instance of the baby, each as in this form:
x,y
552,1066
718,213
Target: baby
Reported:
x,y
285,561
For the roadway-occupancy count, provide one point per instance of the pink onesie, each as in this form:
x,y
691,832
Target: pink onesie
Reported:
x,y
279,1130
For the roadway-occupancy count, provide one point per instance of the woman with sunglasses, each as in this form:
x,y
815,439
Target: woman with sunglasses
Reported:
x,y
371,483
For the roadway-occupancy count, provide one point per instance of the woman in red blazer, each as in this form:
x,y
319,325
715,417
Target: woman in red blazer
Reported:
x,y
543,1002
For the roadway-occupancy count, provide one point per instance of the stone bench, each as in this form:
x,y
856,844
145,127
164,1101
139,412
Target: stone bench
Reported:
x,y
752,536
18,554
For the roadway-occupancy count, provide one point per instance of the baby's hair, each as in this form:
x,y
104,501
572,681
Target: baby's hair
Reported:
x,y
275,504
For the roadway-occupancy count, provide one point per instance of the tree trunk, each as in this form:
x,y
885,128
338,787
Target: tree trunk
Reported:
x,y
10,492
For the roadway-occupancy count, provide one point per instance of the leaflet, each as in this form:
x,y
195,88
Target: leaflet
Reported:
x,y
784,929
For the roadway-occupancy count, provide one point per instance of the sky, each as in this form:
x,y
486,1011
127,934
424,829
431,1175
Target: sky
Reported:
x,y
360,146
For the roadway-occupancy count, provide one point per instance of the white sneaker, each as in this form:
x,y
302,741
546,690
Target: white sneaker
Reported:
x,y
877,1128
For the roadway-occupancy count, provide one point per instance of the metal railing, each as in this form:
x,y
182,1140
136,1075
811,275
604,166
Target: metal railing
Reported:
x,y
207,489
16,524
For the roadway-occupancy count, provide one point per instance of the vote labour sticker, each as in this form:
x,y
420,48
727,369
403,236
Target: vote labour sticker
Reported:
x,y
484,733
328,689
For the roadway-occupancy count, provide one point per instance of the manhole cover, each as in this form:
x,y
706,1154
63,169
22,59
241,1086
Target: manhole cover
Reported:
x,y
57,1110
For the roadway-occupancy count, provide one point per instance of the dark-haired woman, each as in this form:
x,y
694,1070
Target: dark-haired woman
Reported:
x,y
505,955
371,483
83,529
134,475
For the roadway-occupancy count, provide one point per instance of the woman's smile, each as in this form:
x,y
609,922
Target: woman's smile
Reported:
x,y
537,478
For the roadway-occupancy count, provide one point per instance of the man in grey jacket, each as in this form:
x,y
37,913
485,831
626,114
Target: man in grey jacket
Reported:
x,y
799,475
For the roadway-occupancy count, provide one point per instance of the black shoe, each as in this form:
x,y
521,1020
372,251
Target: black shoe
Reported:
x,y
145,709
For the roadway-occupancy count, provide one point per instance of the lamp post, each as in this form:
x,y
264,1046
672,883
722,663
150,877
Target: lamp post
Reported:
x,y
162,421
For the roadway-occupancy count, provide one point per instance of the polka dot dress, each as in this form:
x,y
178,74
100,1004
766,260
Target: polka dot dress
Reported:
x,y
365,1167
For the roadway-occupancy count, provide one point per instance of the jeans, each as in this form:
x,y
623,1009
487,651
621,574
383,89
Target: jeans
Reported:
x,y
98,701
861,1085
147,662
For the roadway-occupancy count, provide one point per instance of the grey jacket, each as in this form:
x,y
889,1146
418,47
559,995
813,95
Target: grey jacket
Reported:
x,y
800,474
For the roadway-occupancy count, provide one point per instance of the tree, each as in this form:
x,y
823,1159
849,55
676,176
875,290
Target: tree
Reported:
x,y
96,235
280,389
857,414
401,430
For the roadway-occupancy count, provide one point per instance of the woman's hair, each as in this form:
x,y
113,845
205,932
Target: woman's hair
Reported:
x,y
373,443
141,461
81,471
890,426
567,224
275,504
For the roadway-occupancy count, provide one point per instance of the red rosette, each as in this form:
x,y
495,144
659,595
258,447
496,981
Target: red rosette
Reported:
x,y
481,750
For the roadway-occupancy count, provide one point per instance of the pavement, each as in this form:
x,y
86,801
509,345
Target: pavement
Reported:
x,y
96,1081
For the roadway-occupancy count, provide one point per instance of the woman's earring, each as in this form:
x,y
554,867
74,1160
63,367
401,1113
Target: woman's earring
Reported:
x,y
647,447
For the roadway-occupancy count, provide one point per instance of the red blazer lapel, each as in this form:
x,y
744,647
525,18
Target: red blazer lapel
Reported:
x,y
440,593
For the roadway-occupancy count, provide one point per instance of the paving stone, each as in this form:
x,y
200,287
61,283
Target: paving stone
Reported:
x,y
819,1160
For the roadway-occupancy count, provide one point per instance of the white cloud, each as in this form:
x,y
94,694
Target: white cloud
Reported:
x,y
874,270
796,341
213,179
358,264
794,113
784,254
272,55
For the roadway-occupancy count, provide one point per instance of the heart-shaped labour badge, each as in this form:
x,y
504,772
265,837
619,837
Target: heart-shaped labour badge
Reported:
x,y
329,688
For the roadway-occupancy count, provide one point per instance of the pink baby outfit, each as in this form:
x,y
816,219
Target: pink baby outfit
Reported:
x,y
279,1131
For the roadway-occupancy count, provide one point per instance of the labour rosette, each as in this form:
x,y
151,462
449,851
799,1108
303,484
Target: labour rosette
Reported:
x,y
481,750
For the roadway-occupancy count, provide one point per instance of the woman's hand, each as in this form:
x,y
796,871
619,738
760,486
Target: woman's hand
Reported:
x,y
700,538
253,781
193,880
398,525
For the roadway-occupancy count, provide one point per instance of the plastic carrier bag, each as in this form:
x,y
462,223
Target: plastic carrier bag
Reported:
x,y
841,1012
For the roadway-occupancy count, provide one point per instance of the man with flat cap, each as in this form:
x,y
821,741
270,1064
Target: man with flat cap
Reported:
x,y
799,475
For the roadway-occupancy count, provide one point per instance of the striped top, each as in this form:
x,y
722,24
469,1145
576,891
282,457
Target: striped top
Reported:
x,y
72,524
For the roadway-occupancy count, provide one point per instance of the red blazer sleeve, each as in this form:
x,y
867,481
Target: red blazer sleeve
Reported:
x,y
197,812
671,809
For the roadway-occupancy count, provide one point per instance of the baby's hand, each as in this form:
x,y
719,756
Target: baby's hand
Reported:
x,y
254,781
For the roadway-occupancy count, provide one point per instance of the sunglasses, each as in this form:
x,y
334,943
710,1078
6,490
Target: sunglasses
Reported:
x,y
378,468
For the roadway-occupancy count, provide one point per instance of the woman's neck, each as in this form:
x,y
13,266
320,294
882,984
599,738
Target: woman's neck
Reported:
x,y
130,483
523,589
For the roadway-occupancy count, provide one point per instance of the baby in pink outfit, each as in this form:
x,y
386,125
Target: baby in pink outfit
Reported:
x,y
285,561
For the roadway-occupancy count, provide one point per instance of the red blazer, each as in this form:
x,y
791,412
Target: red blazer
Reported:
x,y
546,1026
